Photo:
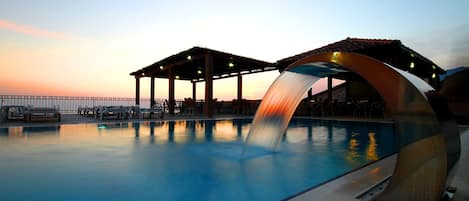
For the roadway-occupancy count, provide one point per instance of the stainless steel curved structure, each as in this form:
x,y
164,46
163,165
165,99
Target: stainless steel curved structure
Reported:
x,y
429,143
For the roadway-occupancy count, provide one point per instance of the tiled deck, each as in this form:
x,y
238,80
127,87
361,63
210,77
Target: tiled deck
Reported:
x,y
351,185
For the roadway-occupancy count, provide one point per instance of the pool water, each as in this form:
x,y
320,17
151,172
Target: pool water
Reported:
x,y
180,160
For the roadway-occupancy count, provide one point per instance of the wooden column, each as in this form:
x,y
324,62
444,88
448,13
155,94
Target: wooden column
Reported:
x,y
240,87
171,100
137,90
152,91
194,85
240,94
329,89
208,105
329,96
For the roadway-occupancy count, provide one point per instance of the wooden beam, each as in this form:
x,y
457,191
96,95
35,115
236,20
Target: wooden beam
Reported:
x,y
246,73
156,68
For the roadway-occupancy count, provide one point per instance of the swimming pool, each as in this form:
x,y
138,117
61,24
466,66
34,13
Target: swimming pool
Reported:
x,y
180,160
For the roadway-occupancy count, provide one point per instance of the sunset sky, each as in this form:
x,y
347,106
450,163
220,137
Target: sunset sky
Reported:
x,y
89,47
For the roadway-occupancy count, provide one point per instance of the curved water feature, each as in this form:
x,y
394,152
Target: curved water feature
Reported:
x,y
279,104
425,158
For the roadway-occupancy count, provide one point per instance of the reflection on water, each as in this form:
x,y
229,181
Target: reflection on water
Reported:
x,y
25,131
353,148
176,160
113,125
371,153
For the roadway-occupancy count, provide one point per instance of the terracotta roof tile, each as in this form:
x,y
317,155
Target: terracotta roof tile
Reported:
x,y
347,45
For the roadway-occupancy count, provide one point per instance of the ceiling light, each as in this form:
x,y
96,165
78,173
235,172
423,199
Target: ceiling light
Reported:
x,y
335,56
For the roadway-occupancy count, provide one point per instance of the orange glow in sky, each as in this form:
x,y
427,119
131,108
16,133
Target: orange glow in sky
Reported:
x,y
32,31
88,48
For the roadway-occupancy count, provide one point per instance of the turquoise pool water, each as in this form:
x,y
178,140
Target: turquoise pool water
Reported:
x,y
180,160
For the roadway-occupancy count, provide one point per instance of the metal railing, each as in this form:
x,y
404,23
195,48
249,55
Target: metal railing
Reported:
x,y
70,104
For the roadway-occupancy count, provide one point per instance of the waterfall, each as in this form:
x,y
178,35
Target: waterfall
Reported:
x,y
280,102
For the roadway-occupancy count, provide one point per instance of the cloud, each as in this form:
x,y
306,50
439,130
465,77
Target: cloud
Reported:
x,y
32,31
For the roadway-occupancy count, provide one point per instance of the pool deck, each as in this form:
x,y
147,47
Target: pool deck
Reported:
x,y
461,178
354,183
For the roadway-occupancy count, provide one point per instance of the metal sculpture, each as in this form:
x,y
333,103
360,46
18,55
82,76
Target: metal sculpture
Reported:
x,y
429,143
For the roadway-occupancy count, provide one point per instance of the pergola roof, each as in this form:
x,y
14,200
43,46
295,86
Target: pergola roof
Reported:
x,y
189,65
389,51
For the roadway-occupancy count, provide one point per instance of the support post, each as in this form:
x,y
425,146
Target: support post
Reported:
x,y
194,85
152,91
329,89
137,90
171,100
329,95
240,87
240,93
208,105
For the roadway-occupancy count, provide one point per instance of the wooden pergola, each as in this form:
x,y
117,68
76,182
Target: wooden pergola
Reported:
x,y
198,64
